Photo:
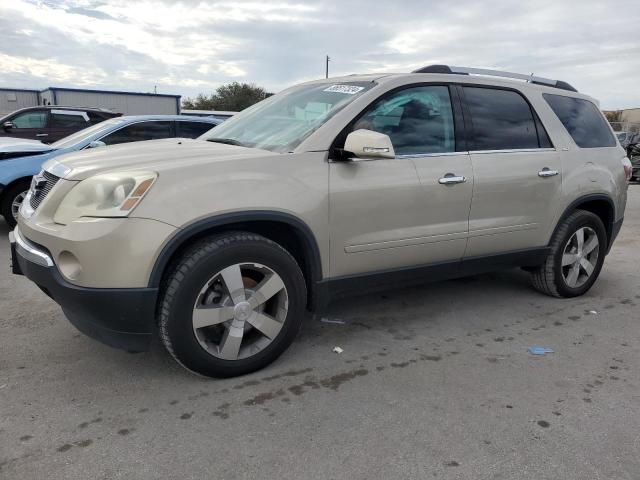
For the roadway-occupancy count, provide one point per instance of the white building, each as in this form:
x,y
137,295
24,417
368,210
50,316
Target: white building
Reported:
x,y
12,99
127,103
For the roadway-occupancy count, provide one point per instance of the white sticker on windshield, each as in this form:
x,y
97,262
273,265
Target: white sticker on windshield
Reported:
x,y
348,89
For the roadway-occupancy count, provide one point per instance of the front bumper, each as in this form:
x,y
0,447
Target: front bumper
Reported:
x,y
123,318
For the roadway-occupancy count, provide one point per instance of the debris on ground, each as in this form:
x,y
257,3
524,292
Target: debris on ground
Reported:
x,y
329,320
338,350
592,312
539,350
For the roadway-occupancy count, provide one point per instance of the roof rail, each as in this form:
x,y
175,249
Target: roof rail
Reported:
x,y
495,73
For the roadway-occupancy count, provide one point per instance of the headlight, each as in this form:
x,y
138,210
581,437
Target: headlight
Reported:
x,y
105,195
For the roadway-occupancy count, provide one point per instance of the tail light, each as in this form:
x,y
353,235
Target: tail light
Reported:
x,y
628,169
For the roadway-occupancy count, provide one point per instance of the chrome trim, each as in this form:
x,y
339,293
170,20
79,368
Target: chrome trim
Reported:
x,y
29,252
545,172
451,179
514,150
58,169
498,73
423,155
358,159
26,210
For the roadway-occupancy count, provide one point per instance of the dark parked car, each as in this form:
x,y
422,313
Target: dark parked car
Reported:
x,y
51,123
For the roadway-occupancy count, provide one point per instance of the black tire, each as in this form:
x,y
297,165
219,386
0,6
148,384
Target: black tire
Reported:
x,y
7,200
548,278
194,269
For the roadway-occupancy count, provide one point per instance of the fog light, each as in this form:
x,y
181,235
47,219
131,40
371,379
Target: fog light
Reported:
x,y
69,265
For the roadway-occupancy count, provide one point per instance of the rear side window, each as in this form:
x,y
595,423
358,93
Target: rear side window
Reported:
x,y
192,129
60,119
502,119
141,131
583,121
97,117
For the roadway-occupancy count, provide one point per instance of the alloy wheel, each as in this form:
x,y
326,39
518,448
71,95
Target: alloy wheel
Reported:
x,y
17,202
580,257
240,311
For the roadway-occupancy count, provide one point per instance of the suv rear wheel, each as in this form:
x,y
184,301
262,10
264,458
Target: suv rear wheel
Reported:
x,y
577,254
232,304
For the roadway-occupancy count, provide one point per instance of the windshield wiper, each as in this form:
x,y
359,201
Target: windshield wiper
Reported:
x,y
227,141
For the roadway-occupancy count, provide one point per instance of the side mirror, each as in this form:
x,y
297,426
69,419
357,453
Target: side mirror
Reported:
x,y
96,144
7,125
369,144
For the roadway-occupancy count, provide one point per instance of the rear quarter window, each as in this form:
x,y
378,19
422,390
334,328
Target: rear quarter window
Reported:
x,y
583,121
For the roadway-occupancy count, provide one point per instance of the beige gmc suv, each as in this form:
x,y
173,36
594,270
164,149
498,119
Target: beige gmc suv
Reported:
x,y
220,245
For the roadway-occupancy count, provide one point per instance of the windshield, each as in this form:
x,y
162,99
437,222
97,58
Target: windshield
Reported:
x,y
82,135
280,123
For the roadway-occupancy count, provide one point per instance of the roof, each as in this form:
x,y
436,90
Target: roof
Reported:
x,y
116,92
183,118
60,107
210,112
18,90
477,79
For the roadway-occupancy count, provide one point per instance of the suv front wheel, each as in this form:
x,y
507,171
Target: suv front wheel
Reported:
x,y
232,304
577,253
11,201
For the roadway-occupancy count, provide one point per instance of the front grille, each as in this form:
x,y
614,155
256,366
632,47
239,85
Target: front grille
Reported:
x,y
40,187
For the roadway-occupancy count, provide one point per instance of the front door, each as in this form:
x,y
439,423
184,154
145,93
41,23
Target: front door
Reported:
x,y
517,172
408,211
31,124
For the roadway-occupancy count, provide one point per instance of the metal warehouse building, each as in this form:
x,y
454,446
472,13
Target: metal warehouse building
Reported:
x,y
127,103
12,99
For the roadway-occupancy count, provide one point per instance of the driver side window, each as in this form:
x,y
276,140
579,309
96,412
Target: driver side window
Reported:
x,y
418,120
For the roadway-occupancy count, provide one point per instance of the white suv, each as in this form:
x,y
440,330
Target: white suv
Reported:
x,y
220,244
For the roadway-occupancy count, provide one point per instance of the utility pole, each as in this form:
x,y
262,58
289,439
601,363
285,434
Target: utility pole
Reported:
x,y
326,69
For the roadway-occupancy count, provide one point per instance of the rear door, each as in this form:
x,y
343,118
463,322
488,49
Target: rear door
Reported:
x,y
65,122
394,213
517,172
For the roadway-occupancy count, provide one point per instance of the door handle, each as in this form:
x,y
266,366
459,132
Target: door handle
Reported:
x,y
42,134
451,179
545,172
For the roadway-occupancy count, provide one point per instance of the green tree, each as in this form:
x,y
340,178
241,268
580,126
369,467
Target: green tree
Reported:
x,y
231,96
613,115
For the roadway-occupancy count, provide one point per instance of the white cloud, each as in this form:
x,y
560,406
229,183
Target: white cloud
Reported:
x,y
191,46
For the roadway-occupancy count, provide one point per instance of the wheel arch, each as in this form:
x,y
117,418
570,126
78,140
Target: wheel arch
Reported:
x,y
599,204
13,182
285,229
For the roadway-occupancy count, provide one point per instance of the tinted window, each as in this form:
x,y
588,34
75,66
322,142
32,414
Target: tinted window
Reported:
x,y
418,120
583,121
192,129
95,117
68,120
502,119
30,120
140,131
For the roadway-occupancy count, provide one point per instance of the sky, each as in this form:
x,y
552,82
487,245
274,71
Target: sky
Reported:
x,y
193,47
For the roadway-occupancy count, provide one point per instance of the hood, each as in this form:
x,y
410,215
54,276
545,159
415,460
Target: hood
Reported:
x,y
153,155
19,145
